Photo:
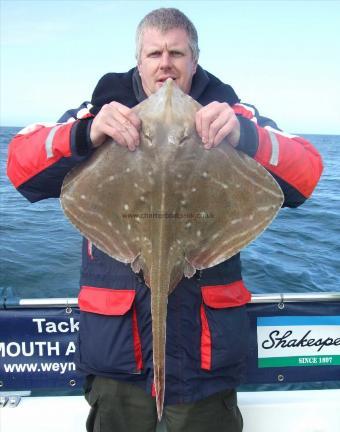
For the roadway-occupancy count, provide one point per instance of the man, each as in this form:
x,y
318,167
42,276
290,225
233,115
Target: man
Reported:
x,y
206,333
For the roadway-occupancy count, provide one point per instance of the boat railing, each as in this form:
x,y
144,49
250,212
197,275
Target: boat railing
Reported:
x,y
279,298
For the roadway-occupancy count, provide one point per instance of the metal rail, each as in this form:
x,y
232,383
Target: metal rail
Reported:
x,y
256,298
296,297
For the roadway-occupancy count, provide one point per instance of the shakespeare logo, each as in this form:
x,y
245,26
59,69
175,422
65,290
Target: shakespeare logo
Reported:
x,y
298,341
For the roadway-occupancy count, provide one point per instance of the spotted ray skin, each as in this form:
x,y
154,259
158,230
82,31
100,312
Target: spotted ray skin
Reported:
x,y
170,207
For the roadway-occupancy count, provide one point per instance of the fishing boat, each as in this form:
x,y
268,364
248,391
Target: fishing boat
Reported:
x,y
293,381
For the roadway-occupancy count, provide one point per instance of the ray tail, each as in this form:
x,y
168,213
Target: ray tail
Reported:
x,y
159,285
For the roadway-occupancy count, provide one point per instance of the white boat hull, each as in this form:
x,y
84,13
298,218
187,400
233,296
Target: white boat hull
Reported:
x,y
279,411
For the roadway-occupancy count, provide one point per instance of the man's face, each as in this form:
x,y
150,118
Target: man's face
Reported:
x,y
165,55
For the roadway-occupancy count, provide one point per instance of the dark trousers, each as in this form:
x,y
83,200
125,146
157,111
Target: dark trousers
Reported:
x,y
121,407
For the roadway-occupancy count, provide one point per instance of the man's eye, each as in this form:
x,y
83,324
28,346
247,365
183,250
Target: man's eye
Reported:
x,y
154,54
176,54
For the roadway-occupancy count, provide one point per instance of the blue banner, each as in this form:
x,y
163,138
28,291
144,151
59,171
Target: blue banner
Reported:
x,y
37,348
298,343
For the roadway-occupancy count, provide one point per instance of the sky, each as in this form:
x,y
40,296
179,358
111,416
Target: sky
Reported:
x,y
281,56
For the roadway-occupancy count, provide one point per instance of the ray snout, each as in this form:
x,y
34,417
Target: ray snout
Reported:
x,y
170,105
169,94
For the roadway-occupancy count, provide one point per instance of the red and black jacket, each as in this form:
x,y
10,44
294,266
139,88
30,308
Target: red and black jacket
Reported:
x,y
207,327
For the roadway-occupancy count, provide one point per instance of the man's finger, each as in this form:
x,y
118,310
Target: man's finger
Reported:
x,y
198,122
124,135
207,115
230,131
221,134
128,113
134,119
125,127
215,129
112,132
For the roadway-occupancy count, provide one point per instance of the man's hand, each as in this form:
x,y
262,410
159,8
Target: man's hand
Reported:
x,y
118,122
217,121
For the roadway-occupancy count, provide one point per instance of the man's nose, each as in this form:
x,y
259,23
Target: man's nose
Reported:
x,y
165,60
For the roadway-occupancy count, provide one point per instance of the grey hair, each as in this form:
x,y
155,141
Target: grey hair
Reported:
x,y
165,19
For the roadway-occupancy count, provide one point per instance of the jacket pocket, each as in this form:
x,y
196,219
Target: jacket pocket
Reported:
x,y
224,325
109,339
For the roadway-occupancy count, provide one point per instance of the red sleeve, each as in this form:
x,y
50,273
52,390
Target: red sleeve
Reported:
x,y
293,160
36,148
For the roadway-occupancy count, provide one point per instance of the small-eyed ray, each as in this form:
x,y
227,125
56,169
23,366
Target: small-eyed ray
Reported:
x,y
171,207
